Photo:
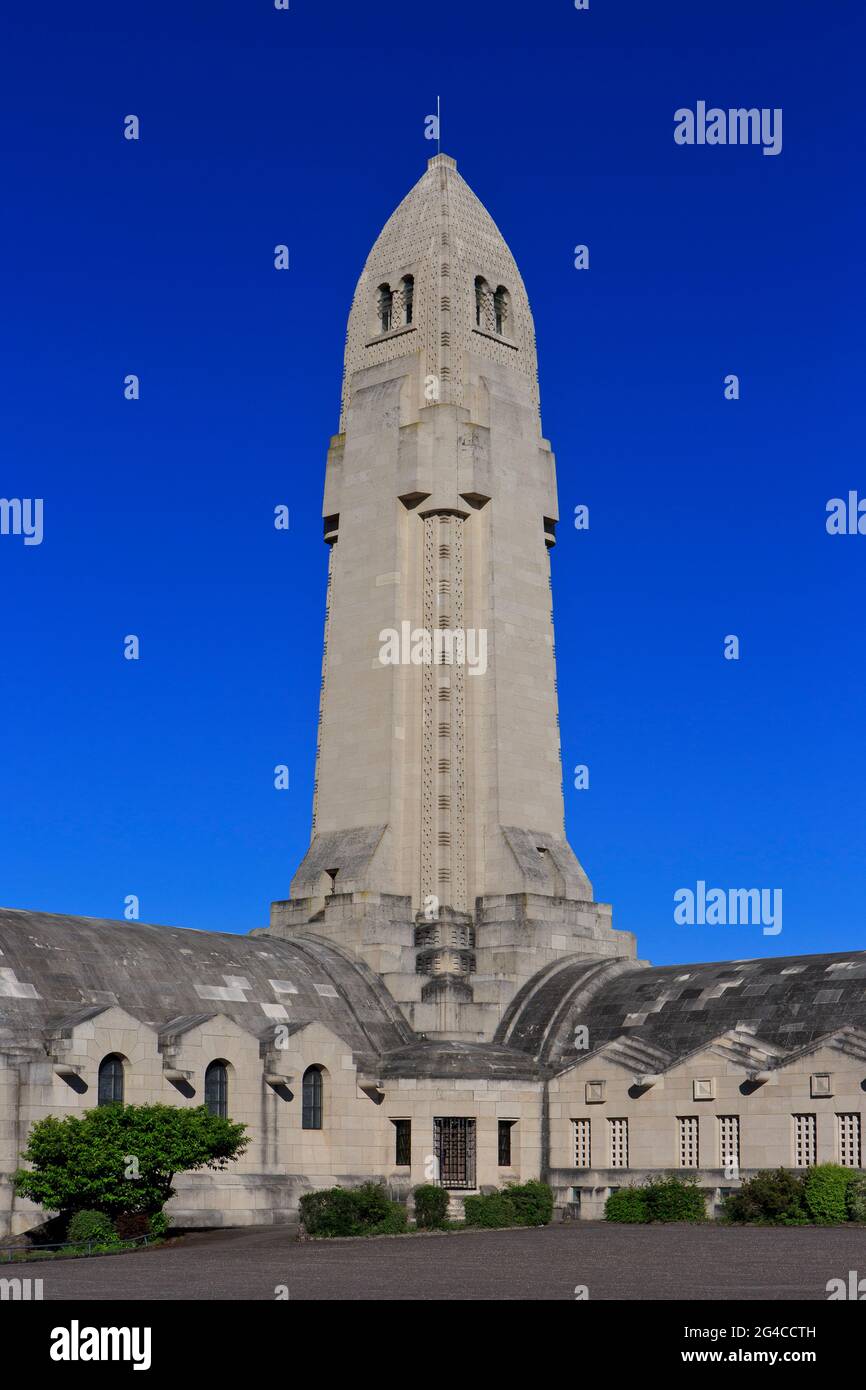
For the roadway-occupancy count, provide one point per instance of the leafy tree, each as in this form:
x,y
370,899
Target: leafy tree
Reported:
x,y
123,1158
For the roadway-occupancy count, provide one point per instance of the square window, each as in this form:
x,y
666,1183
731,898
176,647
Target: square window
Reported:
x,y
704,1089
821,1084
595,1092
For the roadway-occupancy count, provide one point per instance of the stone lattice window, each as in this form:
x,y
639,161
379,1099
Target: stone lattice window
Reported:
x,y
848,1139
689,1145
582,1144
805,1141
618,1132
729,1141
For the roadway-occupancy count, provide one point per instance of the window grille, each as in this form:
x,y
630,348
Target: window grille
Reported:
x,y
454,1141
582,1144
618,1130
805,1141
689,1153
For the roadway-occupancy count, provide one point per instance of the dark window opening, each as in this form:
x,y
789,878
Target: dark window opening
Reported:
x,y
505,1128
386,308
480,292
216,1090
500,309
402,1143
110,1084
408,297
311,1114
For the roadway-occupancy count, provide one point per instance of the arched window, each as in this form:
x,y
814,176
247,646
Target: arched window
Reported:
x,y
216,1089
500,309
110,1086
482,292
386,308
408,297
311,1117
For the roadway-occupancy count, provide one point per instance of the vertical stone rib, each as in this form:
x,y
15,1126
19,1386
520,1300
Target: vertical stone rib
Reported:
x,y
444,298
443,713
322,688
429,885
458,727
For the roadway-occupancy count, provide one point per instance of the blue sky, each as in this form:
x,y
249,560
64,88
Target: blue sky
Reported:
x,y
260,127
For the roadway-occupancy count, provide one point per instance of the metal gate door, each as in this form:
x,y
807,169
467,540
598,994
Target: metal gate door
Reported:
x,y
454,1140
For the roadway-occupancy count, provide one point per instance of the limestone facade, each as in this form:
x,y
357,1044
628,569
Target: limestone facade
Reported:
x,y
440,998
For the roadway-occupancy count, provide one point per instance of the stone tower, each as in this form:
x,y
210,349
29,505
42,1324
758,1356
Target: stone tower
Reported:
x,y
438,853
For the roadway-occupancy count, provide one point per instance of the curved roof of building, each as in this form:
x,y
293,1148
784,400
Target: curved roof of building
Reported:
x,y
52,967
459,1059
789,1001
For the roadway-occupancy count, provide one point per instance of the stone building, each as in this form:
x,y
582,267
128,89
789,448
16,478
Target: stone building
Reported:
x,y
440,998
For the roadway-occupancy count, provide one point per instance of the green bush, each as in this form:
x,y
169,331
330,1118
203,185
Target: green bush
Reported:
x,y
393,1223
856,1197
330,1212
771,1197
359,1211
675,1199
371,1203
431,1207
159,1224
491,1211
825,1189
92,1226
524,1204
531,1203
627,1205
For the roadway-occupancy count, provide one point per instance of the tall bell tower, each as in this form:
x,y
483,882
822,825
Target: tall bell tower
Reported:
x,y
438,850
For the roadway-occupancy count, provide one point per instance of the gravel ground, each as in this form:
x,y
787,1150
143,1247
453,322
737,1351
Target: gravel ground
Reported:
x,y
613,1262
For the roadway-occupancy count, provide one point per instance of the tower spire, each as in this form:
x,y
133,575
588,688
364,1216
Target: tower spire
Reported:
x,y
438,781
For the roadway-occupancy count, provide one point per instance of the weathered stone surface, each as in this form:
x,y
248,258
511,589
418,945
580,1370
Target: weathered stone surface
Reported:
x,y
441,965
